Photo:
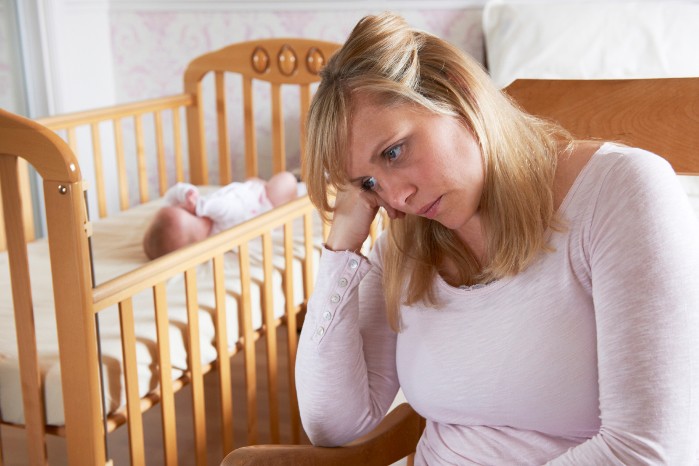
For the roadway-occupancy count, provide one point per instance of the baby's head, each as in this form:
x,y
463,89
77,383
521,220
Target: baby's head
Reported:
x,y
172,228
281,188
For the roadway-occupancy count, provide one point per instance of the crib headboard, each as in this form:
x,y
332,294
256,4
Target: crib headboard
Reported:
x,y
275,61
631,111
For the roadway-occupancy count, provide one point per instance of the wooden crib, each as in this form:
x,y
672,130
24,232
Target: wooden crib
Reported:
x,y
285,239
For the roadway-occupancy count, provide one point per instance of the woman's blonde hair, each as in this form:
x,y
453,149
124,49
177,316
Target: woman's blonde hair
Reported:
x,y
396,64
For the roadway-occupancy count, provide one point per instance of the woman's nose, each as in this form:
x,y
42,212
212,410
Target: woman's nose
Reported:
x,y
397,193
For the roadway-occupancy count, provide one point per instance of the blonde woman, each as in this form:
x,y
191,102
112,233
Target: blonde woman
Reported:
x,y
535,297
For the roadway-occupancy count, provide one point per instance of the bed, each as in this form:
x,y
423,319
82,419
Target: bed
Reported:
x,y
88,324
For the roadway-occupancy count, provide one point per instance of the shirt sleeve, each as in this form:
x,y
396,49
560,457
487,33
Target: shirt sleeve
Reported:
x,y
643,262
345,368
175,196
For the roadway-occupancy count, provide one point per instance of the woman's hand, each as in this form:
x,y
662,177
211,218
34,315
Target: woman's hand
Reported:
x,y
354,212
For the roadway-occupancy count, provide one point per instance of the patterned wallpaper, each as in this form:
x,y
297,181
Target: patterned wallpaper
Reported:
x,y
151,50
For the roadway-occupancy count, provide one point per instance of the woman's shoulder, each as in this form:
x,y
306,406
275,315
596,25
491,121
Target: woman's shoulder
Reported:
x,y
632,166
619,164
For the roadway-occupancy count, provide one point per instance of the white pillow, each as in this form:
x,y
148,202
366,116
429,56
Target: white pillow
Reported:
x,y
591,39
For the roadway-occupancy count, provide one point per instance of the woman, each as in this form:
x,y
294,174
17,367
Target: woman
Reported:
x,y
535,297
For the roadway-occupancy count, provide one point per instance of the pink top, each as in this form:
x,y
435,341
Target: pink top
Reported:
x,y
588,357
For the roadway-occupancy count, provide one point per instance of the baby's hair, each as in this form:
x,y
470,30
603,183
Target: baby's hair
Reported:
x,y
172,228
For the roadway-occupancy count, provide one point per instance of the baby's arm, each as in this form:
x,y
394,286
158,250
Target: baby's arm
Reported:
x,y
183,195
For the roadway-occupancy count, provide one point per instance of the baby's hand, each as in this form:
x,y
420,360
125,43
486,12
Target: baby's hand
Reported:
x,y
190,201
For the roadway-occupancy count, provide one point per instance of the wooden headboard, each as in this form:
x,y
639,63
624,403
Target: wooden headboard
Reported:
x,y
660,115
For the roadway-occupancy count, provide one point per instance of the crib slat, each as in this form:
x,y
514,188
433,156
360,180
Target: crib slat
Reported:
x,y
270,337
167,396
99,170
30,374
251,168
194,364
224,368
141,159
72,140
196,139
2,463
308,259
326,230
278,155
245,319
303,108
27,204
160,151
224,160
291,329
121,165
3,240
133,400
177,136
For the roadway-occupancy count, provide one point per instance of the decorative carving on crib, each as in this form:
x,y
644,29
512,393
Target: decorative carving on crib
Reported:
x,y
287,61
315,60
260,60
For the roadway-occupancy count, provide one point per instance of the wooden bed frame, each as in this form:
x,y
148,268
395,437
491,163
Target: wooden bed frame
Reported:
x,y
661,115
78,301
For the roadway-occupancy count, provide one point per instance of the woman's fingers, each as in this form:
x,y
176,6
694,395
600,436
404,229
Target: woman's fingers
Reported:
x,y
352,217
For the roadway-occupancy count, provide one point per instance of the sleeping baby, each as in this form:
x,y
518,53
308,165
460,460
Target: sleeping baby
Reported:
x,y
190,217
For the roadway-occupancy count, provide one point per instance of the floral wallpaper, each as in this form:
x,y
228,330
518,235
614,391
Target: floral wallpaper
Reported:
x,y
151,50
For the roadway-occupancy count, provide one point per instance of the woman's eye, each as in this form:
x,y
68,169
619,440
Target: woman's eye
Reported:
x,y
393,153
368,184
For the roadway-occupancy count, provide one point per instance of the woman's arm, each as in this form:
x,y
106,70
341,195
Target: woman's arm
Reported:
x,y
346,368
644,264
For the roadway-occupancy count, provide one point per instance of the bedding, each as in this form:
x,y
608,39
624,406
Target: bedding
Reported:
x,y
590,39
117,249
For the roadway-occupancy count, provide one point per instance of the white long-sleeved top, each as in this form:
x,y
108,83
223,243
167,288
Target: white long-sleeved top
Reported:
x,y
228,206
590,356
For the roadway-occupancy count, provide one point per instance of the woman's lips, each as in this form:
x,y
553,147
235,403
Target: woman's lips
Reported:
x,y
430,210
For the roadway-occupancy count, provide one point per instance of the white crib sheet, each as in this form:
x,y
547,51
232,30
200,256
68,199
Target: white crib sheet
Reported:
x,y
117,249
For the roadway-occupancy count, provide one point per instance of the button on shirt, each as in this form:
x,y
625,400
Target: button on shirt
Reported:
x,y
339,278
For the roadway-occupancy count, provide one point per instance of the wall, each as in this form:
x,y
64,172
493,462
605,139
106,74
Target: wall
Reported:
x,y
152,42
11,95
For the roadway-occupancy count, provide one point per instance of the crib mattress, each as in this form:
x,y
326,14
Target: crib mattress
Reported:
x,y
117,249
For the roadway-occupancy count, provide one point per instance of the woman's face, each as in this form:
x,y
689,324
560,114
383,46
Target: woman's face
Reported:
x,y
415,161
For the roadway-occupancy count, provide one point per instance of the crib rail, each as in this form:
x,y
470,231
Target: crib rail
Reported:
x,y
100,148
153,276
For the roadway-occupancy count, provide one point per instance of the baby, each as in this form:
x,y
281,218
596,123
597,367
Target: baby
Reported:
x,y
190,217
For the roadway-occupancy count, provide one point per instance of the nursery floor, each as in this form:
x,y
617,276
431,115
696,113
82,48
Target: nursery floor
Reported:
x,y
14,447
